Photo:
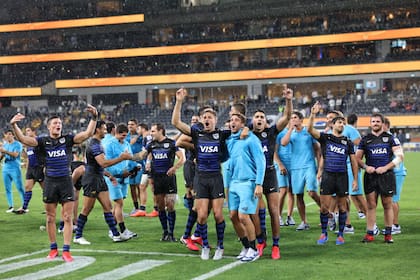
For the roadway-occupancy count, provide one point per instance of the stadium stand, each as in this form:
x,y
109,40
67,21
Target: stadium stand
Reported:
x,y
167,23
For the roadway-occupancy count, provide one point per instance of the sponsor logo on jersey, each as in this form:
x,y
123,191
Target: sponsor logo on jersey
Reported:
x,y
337,150
379,151
160,155
58,153
209,149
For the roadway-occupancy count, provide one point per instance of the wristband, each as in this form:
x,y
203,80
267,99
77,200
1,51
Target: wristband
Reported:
x,y
396,161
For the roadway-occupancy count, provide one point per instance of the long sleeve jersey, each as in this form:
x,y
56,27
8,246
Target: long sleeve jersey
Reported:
x,y
246,159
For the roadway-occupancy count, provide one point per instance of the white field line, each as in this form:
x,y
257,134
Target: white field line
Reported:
x,y
82,261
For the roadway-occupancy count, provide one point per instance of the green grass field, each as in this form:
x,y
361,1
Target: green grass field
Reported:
x,y
23,248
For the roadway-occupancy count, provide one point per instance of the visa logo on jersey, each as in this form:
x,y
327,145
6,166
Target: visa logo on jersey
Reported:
x,y
58,153
337,150
160,155
379,151
209,149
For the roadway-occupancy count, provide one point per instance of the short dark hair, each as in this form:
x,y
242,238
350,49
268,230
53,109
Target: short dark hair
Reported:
x,y
121,128
259,111
352,119
335,112
99,124
160,126
209,110
298,114
387,122
52,117
204,108
133,120
110,126
240,107
338,118
378,115
144,126
242,117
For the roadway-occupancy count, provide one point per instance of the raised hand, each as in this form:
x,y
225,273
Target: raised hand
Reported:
x,y
316,108
180,94
91,109
17,118
287,92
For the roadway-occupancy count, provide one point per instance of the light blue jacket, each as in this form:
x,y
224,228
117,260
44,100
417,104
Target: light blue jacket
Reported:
x,y
12,163
113,150
246,159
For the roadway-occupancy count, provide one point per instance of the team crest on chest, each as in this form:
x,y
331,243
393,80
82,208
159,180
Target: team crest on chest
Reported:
x,y
344,142
62,140
385,139
215,136
264,134
166,145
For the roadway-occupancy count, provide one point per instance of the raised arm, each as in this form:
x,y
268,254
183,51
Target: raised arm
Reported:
x,y
286,138
84,135
176,114
28,141
184,141
284,120
314,110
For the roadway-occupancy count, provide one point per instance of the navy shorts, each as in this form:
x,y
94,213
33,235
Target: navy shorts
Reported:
x,y
383,184
270,184
58,189
164,184
189,173
334,183
93,184
35,173
208,185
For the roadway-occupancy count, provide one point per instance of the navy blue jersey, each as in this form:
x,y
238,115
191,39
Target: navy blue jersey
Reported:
x,y
34,157
146,140
189,155
163,155
58,155
378,149
210,148
94,148
335,151
268,142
